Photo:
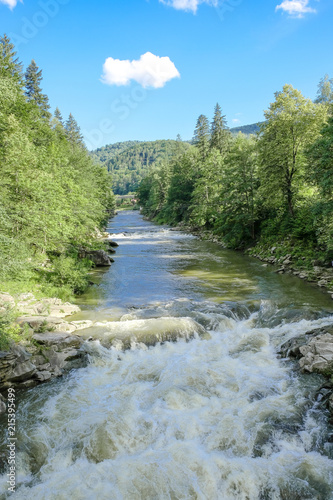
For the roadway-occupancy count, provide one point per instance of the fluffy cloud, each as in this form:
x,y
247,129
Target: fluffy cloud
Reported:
x,y
188,5
296,8
10,3
148,71
235,121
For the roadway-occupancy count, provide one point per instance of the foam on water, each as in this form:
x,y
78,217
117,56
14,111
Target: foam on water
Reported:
x,y
222,418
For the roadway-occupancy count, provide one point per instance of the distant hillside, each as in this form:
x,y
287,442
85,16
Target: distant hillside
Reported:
x,y
104,154
247,129
131,161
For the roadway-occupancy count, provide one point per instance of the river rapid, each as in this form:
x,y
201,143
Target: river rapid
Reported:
x,y
207,410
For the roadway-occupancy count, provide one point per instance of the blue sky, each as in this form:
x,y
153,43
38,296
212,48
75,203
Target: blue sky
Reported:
x,y
166,62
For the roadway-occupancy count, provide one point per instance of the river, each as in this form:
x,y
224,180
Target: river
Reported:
x,y
215,415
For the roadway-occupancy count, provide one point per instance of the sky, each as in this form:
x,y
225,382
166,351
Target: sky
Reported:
x,y
146,69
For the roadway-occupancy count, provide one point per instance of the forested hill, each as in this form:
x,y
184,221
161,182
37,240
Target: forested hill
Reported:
x,y
129,162
105,153
254,128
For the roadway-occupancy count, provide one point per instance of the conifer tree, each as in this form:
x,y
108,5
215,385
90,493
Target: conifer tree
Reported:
x,y
9,63
73,132
33,78
220,135
202,137
58,116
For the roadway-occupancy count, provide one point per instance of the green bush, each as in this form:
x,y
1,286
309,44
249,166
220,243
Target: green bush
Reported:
x,y
9,331
68,273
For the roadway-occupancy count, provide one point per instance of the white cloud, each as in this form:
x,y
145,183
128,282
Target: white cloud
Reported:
x,y
296,8
10,3
148,71
235,121
188,5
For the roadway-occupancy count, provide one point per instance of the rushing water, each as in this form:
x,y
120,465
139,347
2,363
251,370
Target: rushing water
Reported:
x,y
215,415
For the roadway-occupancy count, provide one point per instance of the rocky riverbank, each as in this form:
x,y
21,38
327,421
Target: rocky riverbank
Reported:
x,y
47,346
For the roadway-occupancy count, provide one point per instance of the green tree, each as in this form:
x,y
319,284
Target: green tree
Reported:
x,y
292,122
9,63
220,135
320,155
58,116
201,137
239,192
73,132
207,190
325,91
33,78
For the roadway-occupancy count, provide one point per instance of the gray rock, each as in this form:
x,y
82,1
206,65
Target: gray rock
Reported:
x,y
66,360
99,257
317,355
43,376
39,322
52,307
61,340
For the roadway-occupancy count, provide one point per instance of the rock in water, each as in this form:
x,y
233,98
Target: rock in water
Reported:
x,y
99,257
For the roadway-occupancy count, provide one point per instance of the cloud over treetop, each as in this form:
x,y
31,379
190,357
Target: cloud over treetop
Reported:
x,y
148,71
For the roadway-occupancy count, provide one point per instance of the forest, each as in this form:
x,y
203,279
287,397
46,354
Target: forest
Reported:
x,y
53,196
251,191
129,162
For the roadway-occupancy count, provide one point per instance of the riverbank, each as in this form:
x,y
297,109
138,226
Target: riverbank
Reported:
x,y
38,341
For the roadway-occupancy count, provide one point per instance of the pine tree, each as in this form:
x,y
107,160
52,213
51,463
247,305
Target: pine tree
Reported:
x,y
33,78
202,137
58,116
9,64
220,135
73,132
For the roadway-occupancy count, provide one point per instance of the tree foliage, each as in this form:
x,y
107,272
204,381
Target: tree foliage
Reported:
x,y
52,195
246,188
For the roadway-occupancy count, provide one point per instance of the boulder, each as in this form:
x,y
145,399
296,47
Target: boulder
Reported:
x,y
15,366
66,360
61,340
313,349
99,257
